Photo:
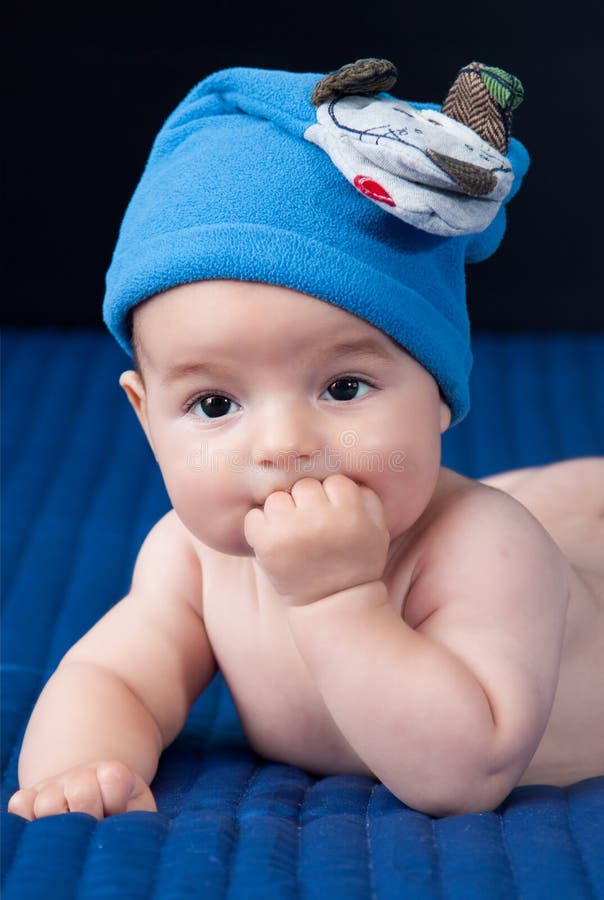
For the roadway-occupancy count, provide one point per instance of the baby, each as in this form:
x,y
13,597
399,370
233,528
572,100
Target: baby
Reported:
x,y
291,285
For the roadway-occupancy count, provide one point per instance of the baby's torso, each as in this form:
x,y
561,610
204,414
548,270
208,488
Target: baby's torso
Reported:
x,y
285,718
281,710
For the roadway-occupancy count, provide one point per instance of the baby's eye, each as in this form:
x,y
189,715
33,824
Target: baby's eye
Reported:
x,y
347,389
214,406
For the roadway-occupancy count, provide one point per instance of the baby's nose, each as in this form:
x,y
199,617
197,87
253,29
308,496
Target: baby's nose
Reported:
x,y
282,440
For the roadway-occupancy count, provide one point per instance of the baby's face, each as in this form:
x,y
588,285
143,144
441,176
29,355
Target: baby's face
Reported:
x,y
246,388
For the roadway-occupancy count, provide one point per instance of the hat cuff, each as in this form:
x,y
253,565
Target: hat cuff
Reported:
x,y
238,252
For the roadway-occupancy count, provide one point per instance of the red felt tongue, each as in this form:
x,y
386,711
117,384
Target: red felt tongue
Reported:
x,y
372,189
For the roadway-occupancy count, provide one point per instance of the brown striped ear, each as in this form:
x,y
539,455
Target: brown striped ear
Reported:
x,y
473,180
483,98
365,76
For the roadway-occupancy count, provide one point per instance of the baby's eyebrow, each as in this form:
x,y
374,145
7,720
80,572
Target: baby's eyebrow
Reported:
x,y
364,346
179,371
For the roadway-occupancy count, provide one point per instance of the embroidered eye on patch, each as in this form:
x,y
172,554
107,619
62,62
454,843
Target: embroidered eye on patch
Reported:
x,y
444,171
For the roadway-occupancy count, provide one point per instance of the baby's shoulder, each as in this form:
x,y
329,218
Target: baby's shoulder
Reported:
x,y
478,540
464,511
166,536
168,560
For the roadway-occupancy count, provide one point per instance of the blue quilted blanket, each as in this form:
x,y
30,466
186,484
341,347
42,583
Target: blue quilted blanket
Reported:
x,y
79,492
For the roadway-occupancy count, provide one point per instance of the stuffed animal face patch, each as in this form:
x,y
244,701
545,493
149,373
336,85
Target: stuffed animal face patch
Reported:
x,y
428,168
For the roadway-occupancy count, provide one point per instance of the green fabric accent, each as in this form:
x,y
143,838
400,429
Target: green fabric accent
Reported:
x,y
505,89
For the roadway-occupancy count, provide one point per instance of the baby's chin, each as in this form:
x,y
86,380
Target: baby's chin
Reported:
x,y
230,542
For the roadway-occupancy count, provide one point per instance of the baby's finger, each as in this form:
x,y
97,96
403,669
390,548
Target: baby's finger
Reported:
x,y
117,784
142,799
340,489
252,524
22,803
278,503
373,505
307,490
83,794
50,801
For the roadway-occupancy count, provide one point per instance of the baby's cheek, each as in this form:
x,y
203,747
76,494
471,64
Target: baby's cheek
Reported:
x,y
213,515
406,488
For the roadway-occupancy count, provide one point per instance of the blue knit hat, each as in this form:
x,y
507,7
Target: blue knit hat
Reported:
x,y
355,197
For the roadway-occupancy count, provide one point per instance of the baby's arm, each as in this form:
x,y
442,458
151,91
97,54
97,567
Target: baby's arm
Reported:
x,y
449,712
122,693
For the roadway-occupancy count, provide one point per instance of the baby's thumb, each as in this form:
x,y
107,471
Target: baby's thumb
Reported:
x,y
141,799
373,505
252,522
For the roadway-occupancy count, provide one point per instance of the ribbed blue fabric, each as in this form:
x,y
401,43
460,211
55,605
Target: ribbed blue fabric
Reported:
x,y
79,492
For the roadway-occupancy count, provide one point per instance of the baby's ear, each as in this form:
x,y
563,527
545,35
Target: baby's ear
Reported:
x,y
133,385
445,416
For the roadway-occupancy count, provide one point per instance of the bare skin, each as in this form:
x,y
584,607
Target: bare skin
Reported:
x,y
567,498
371,611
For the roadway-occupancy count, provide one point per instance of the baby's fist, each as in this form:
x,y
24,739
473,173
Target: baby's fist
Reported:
x,y
322,538
99,789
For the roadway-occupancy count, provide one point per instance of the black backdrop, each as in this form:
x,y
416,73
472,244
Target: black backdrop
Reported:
x,y
89,87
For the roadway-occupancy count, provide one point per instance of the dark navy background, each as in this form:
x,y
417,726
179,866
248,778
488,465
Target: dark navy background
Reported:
x,y
89,88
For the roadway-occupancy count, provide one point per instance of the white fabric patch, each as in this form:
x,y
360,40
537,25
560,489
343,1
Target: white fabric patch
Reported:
x,y
380,146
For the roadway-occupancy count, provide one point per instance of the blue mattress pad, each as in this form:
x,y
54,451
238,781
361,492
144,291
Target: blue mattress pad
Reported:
x,y
80,490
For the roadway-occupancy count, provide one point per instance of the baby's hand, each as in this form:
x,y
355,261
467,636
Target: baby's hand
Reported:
x,y
320,539
99,789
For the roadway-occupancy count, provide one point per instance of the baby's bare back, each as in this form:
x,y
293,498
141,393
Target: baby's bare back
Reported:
x,y
281,709
568,499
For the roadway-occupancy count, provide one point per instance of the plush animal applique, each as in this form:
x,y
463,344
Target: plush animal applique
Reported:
x,y
444,171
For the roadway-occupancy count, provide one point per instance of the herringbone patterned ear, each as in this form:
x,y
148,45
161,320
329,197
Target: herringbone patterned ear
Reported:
x,y
365,76
483,98
475,181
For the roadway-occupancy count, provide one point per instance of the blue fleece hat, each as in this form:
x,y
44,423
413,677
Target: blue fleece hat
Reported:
x,y
353,199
